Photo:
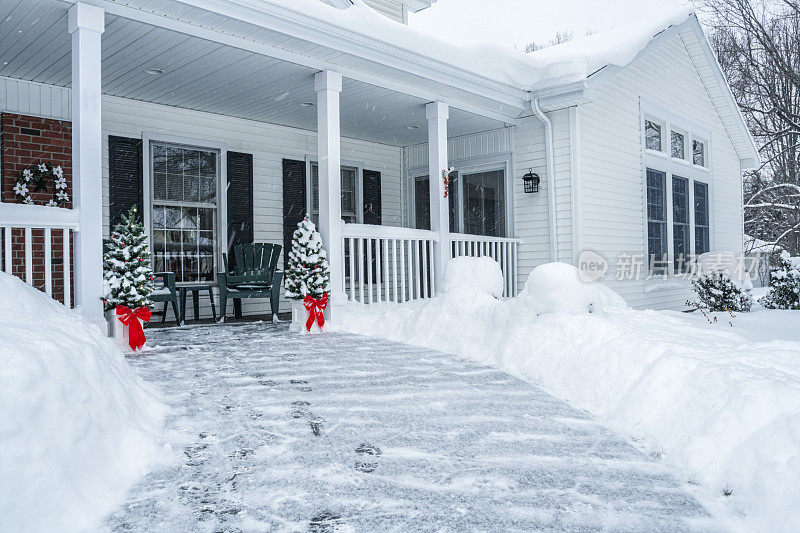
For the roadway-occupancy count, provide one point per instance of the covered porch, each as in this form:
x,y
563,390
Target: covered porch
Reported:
x,y
224,81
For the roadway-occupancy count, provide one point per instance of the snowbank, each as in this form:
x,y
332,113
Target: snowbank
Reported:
x,y
723,411
77,426
556,65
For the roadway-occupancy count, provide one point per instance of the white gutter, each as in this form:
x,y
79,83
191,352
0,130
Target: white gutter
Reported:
x,y
551,177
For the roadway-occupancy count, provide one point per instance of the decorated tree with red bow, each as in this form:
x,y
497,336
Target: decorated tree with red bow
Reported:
x,y
128,276
307,271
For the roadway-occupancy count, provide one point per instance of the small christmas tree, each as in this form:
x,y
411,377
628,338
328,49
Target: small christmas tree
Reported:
x,y
307,271
717,292
128,276
784,284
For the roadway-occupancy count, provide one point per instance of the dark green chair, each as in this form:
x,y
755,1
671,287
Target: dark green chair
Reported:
x,y
168,293
252,274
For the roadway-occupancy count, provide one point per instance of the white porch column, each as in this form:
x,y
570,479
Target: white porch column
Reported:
x,y
86,23
437,114
328,85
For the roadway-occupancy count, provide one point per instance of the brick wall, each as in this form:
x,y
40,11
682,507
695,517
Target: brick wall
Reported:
x,y
27,141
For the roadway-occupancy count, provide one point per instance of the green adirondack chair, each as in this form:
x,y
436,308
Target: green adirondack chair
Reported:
x,y
253,274
167,294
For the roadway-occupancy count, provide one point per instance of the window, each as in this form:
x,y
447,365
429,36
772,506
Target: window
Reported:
x,y
702,233
699,153
652,134
422,202
678,147
680,223
656,221
484,209
350,210
184,211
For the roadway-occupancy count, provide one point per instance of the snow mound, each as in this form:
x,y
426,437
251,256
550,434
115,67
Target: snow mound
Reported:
x,y
722,411
77,426
557,288
473,274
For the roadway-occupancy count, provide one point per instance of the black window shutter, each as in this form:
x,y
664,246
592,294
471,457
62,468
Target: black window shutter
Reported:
x,y
125,180
294,201
240,200
372,198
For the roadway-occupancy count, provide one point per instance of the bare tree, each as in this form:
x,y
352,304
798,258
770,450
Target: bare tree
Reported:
x,y
757,43
561,36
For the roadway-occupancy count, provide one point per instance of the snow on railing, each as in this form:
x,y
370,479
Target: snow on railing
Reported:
x,y
504,250
388,264
34,239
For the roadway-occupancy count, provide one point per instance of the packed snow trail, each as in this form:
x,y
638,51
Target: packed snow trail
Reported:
x,y
347,433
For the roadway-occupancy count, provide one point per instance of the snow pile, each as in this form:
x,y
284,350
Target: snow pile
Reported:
x,y
557,288
470,275
723,411
556,65
77,426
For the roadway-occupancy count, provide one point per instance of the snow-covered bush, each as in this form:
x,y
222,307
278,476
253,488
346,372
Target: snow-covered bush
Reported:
x,y
127,273
473,274
77,426
716,291
307,270
784,284
557,288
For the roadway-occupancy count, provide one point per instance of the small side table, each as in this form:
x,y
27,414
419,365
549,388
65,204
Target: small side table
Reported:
x,y
195,288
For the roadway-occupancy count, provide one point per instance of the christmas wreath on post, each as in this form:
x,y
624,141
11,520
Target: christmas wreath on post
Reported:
x,y
37,178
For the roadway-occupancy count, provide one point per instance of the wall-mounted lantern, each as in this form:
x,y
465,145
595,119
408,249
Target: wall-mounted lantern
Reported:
x,y
531,182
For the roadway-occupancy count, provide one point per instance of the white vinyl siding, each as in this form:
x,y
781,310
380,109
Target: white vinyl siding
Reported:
x,y
268,143
612,145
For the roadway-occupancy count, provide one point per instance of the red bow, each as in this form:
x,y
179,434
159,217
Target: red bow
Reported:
x,y
131,319
315,309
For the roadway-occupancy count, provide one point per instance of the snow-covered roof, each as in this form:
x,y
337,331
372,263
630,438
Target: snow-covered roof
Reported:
x,y
539,72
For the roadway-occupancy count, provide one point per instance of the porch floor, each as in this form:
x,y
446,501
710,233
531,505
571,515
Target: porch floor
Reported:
x,y
340,432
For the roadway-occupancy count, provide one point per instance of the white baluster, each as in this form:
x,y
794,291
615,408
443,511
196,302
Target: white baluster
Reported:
x,y
402,271
29,256
66,268
394,269
360,260
48,265
7,231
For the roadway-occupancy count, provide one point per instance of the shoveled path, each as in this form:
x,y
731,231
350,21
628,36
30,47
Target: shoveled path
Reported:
x,y
346,433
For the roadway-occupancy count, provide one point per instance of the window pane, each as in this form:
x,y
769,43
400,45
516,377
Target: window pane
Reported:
x,y
184,175
422,202
652,134
656,221
678,145
702,231
680,222
484,203
349,194
699,153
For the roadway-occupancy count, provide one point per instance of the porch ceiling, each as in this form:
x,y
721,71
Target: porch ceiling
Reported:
x,y
207,76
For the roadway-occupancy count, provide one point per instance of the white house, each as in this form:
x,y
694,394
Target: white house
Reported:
x,y
226,119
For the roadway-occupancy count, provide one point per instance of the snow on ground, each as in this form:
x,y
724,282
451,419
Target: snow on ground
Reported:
x,y
338,432
77,426
722,409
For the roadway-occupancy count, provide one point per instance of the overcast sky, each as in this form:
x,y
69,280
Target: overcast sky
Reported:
x,y
517,22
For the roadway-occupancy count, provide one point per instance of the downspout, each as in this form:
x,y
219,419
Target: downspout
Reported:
x,y
551,177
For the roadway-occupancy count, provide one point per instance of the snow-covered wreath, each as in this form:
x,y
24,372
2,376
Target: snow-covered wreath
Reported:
x,y
37,178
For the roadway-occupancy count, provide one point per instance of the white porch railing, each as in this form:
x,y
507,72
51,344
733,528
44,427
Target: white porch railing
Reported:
x,y
28,235
388,264
502,249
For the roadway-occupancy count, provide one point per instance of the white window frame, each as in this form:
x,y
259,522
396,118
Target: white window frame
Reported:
x,y
222,192
475,165
359,185
671,166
